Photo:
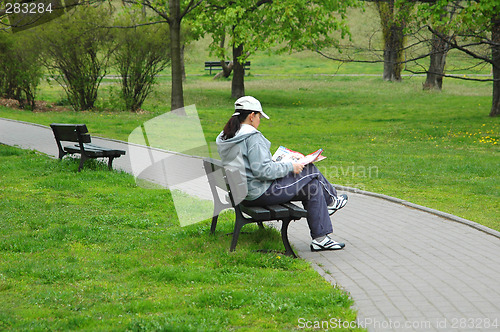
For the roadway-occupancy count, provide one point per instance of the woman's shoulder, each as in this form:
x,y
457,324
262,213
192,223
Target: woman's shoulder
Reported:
x,y
258,138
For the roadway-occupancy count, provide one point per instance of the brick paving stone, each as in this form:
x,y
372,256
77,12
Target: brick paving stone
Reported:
x,y
400,264
427,268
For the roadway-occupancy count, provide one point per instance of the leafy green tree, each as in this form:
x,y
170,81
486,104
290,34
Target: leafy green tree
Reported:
x,y
271,25
20,67
476,27
142,53
77,51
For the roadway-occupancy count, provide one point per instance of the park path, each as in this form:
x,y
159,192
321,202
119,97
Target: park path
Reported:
x,y
408,268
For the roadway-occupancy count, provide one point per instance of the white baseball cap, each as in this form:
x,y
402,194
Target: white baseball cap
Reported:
x,y
248,103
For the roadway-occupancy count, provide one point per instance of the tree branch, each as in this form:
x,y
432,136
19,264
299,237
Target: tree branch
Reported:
x,y
454,76
3,13
423,56
148,4
191,7
258,4
132,26
454,44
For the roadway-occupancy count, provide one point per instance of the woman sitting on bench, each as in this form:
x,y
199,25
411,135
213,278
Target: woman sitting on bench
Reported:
x,y
240,144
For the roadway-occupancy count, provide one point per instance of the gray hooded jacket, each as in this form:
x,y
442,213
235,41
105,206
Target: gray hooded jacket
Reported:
x,y
249,151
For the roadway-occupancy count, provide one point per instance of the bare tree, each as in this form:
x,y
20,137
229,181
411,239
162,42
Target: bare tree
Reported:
x,y
141,54
173,12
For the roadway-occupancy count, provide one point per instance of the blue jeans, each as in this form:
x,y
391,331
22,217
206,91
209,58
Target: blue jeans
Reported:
x,y
311,188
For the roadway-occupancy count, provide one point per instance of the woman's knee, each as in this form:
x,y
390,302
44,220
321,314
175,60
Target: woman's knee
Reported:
x,y
314,188
311,168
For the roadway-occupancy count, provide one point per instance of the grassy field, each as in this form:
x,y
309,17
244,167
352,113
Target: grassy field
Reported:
x,y
92,251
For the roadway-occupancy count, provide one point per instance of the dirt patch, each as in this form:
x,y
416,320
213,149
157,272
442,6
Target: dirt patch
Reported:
x,y
40,106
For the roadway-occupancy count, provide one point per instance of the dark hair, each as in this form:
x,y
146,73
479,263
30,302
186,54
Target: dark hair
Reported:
x,y
234,123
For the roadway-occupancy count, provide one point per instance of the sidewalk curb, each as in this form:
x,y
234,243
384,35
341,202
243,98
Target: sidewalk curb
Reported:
x,y
445,215
27,123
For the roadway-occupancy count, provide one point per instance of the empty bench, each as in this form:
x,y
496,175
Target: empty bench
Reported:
x,y
78,133
233,190
209,65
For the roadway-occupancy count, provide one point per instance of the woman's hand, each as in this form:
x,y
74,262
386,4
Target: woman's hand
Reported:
x,y
297,168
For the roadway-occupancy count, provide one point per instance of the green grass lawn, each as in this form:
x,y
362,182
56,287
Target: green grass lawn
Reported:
x,y
92,251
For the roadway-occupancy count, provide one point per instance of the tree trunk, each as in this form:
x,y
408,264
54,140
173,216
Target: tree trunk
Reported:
x,y
226,70
393,41
238,82
495,56
435,73
183,67
177,94
393,54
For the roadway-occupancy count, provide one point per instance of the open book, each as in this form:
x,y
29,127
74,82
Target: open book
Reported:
x,y
284,154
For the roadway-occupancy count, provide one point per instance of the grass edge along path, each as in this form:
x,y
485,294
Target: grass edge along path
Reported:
x,y
92,251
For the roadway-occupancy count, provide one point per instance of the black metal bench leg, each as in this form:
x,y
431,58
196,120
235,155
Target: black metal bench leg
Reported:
x,y
237,229
284,238
82,161
261,224
61,154
110,163
214,224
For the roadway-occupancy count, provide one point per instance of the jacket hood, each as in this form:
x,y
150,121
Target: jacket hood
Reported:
x,y
228,149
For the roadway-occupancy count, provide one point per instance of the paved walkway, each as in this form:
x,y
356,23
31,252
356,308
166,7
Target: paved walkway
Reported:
x,y
406,267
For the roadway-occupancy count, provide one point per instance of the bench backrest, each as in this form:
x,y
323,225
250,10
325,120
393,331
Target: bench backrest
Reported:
x,y
226,178
71,132
218,63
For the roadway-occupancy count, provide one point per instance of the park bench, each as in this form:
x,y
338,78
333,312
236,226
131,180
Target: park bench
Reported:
x,y
78,133
216,64
233,189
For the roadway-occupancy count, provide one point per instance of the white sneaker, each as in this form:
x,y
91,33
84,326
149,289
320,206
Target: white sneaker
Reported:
x,y
326,244
338,203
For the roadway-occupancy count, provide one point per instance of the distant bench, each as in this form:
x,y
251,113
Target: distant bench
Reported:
x,y
216,64
234,187
78,133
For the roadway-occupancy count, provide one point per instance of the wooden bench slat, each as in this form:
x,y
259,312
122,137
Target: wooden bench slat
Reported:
x,y
85,138
278,211
209,65
255,212
100,148
295,211
94,153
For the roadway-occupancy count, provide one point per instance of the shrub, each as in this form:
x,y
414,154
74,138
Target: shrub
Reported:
x,y
141,54
20,67
77,50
